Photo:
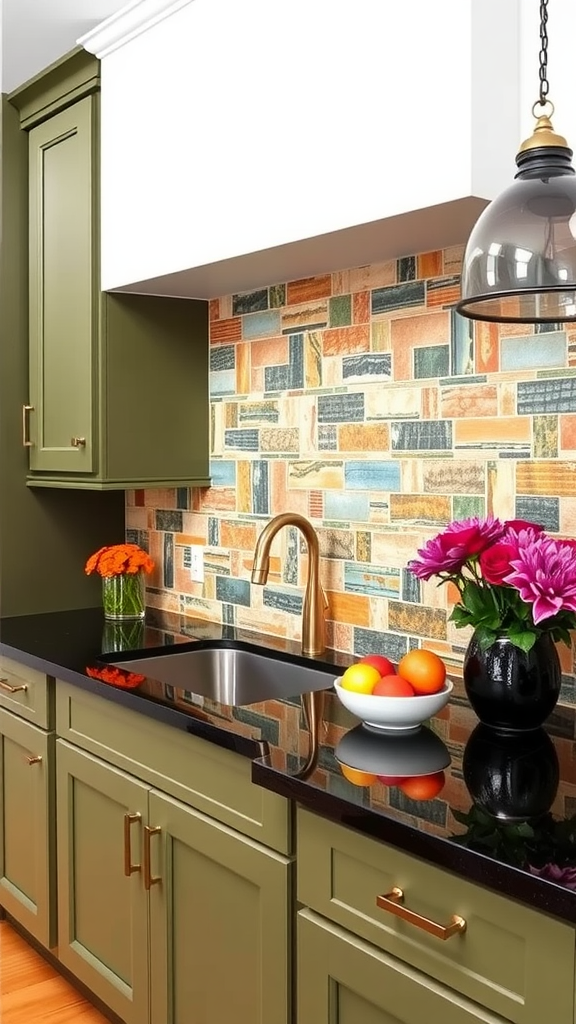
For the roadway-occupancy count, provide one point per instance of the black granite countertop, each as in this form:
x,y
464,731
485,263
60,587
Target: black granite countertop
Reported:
x,y
500,811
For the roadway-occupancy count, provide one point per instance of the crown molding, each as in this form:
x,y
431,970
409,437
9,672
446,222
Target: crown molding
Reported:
x,y
128,23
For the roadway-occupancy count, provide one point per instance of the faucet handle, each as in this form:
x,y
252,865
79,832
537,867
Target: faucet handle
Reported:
x,y
324,598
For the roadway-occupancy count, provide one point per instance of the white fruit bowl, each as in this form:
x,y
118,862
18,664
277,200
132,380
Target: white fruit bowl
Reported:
x,y
393,714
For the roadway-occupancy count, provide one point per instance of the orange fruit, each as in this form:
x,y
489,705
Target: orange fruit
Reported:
x,y
423,787
356,777
384,665
393,686
424,670
360,678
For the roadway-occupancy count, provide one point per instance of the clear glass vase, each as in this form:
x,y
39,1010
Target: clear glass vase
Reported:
x,y
123,596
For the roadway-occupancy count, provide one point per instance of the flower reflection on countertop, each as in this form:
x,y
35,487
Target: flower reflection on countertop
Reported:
x,y
116,677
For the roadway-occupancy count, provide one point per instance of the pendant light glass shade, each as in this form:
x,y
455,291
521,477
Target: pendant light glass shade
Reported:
x,y
520,260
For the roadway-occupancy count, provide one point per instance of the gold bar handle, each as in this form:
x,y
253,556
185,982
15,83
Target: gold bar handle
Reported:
x,y
34,759
129,867
150,879
5,685
78,442
26,442
392,902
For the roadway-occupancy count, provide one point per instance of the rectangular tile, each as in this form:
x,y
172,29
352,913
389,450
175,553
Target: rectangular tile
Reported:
x,y
232,591
261,325
364,437
223,383
225,330
429,264
244,440
373,580
327,437
353,609
347,408
168,519
296,360
466,506
462,402
373,364
316,473
277,378
372,476
539,509
250,302
307,316
552,395
443,291
431,361
260,488
237,535
347,507
341,341
259,412
279,439
399,296
372,641
417,620
340,310
513,433
461,344
421,436
535,351
546,478
430,509
223,472
361,307
277,296
284,600
410,587
308,288
406,268
545,435
222,358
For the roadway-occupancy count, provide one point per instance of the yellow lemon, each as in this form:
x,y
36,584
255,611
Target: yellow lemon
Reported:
x,y
360,678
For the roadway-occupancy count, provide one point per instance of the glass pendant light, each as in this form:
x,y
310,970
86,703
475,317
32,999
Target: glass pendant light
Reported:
x,y
520,260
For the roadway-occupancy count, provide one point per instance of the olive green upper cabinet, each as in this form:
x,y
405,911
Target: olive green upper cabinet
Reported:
x,y
118,383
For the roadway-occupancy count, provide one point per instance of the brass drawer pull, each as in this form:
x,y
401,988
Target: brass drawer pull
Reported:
x,y
34,759
25,440
5,685
78,442
149,879
129,867
393,901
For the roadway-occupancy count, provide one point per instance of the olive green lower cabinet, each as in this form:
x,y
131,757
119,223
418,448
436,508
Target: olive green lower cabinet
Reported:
x,y
164,913
343,980
27,879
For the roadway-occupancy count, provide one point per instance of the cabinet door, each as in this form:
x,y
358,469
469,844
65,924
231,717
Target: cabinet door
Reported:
x,y
218,922
343,980
62,289
102,910
27,882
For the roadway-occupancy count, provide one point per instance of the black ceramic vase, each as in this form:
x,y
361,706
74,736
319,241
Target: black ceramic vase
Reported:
x,y
512,690
512,776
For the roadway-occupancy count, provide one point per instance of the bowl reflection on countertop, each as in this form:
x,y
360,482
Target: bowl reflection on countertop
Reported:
x,y
513,777
401,755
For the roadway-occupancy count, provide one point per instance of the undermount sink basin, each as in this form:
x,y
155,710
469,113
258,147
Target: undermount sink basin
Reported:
x,y
231,675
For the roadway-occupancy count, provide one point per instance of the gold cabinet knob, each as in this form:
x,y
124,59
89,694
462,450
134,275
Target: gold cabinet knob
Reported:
x,y
34,759
78,442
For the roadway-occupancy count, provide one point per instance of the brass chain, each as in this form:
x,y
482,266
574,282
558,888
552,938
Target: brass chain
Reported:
x,y
543,56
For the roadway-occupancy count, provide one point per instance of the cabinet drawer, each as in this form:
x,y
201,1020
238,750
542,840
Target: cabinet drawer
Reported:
x,y
201,774
25,692
513,960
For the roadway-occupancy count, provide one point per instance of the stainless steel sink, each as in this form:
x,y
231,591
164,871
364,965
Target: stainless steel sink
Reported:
x,y
231,676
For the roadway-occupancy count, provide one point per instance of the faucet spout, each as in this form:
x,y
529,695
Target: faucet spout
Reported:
x,y
313,620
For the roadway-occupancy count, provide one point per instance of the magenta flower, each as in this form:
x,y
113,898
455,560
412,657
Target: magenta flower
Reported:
x,y
553,873
544,573
449,551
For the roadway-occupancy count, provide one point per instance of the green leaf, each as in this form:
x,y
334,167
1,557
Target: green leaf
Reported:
x,y
525,641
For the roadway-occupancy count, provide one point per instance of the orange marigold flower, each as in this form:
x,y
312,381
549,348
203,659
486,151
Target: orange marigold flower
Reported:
x,y
117,559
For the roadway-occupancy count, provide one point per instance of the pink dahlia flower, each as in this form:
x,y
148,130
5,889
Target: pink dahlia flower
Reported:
x,y
544,573
449,551
562,876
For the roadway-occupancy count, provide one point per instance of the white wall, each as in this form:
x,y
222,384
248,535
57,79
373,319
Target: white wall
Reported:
x,y
230,128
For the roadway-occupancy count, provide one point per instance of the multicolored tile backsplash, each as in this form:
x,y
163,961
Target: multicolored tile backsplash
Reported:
x,y
363,401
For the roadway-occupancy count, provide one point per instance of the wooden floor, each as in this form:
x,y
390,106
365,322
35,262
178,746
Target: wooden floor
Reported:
x,y
32,992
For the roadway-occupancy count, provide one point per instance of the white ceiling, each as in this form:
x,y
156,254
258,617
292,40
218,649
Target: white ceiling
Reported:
x,y
37,32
